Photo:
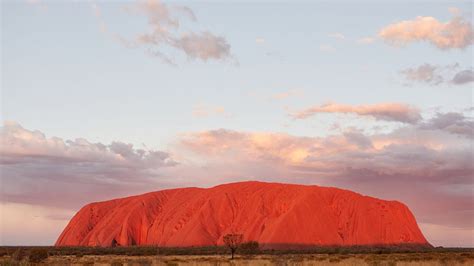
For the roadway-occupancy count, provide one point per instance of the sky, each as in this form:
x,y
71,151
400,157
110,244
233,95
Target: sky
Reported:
x,y
105,99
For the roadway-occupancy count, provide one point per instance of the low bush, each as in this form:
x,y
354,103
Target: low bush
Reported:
x,y
250,247
144,262
38,255
116,263
19,255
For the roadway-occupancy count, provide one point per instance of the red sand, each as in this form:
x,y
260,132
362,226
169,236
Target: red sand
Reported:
x,y
273,214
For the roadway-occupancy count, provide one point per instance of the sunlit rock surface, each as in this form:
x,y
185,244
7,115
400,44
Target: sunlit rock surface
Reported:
x,y
276,215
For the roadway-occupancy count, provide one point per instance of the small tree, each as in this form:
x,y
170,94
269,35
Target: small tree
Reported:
x,y
232,241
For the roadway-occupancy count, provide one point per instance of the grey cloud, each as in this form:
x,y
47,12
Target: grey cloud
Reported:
x,y
54,172
358,138
204,45
463,77
437,75
164,24
428,167
425,73
455,123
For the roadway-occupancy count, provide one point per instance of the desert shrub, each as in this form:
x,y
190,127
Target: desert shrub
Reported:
x,y
343,257
38,255
116,263
144,262
250,247
9,262
19,254
391,263
319,258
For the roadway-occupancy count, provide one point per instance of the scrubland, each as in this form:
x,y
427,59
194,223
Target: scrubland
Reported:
x,y
140,256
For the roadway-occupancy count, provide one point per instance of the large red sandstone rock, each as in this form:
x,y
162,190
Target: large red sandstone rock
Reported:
x,y
273,214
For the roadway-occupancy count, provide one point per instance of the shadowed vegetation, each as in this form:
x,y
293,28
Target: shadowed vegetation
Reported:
x,y
248,254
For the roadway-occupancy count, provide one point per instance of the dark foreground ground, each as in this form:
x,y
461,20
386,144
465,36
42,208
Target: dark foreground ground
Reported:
x,y
220,256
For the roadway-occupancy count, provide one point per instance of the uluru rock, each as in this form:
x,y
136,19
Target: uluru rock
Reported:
x,y
275,215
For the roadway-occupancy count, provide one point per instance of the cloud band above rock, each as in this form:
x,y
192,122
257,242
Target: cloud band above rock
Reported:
x,y
383,111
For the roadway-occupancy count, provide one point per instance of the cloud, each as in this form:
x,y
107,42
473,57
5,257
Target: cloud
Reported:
x,y
456,33
203,45
383,111
437,75
395,165
455,123
426,73
68,173
434,156
165,31
463,77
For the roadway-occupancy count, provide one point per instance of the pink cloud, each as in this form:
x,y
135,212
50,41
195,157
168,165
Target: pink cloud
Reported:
x,y
383,111
68,173
327,151
432,156
397,165
456,33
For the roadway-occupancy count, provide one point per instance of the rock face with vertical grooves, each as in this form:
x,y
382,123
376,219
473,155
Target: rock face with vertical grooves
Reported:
x,y
276,215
